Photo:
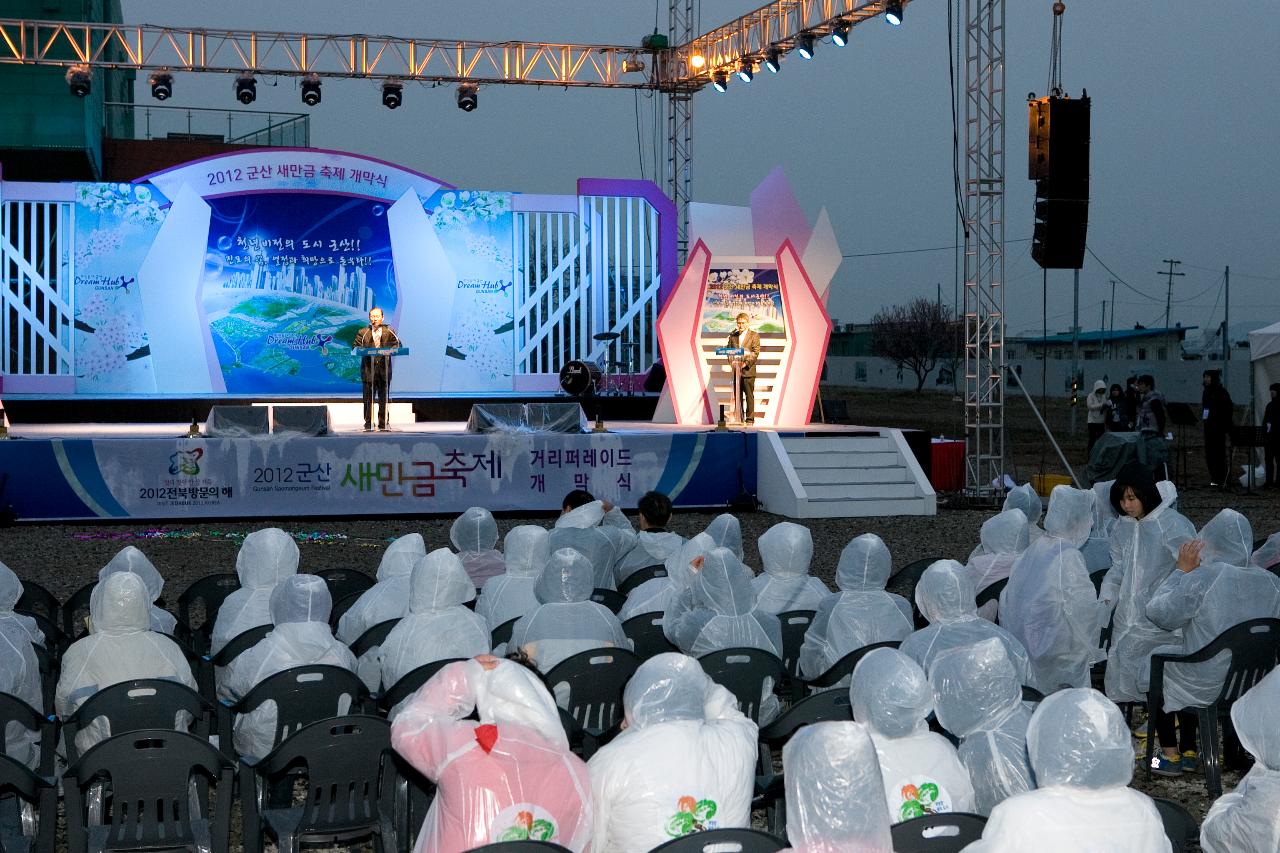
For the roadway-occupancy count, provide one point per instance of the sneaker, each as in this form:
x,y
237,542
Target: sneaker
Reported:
x,y
1162,766
1190,761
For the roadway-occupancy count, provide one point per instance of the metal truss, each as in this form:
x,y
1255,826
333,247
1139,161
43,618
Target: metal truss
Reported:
x,y
984,355
679,178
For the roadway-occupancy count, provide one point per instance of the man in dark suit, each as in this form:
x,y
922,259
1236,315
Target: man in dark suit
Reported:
x,y
375,370
749,341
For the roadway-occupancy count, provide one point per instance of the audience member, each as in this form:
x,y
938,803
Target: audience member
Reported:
x,y
510,595
655,543
19,669
130,559
1245,820
656,594
1003,538
726,532
835,792
389,597
266,557
474,535
784,584
581,531
1267,555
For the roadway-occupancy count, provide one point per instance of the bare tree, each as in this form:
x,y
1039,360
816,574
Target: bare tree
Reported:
x,y
916,336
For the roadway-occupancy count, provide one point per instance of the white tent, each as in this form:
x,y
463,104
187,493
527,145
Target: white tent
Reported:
x,y
1264,353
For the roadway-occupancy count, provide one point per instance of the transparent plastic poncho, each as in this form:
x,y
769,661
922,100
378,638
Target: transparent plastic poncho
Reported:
x,y
835,793
1267,556
726,532
389,597
592,543
474,535
656,594
19,668
266,557
1003,538
1097,548
130,559
786,551
526,549
1244,821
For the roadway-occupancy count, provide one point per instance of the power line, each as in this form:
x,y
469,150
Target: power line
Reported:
x,y
1118,278
915,251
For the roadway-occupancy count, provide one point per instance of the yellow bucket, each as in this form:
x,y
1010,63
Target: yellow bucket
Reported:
x,y
1044,483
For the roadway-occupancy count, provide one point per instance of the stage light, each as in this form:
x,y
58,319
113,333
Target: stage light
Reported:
x,y
468,97
631,66
840,35
697,61
745,72
246,89
311,90
161,85
893,12
804,45
773,60
392,94
79,80
720,81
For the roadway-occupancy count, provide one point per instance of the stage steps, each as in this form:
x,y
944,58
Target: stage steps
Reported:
x,y
872,473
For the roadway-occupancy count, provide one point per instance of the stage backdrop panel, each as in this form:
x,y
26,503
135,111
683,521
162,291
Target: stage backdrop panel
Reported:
x,y
354,475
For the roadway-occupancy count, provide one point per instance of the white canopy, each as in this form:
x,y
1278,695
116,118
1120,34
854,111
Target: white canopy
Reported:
x,y
1264,352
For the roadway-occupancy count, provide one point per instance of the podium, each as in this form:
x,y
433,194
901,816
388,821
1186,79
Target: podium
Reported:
x,y
735,356
381,352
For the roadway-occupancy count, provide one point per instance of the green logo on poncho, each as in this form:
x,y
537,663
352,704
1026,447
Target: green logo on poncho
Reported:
x,y
693,816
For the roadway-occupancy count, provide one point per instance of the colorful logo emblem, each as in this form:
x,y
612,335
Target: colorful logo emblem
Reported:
x,y
186,462
523,822
925,798
692,816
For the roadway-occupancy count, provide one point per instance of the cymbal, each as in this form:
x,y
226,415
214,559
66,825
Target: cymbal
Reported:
x,y
606,336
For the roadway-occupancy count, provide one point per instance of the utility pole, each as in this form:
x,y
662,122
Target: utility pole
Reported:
x,y
1226,321
1168,298
1111,336
1075,351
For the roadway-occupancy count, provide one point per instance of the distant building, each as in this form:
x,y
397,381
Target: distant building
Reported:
x,y
852,339
1136,344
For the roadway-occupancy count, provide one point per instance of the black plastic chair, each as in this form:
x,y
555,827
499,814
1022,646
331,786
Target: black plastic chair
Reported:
x,y
305,695
409,684
1254,647
1179,825
41,793
341,606
48,663
645,633
795,623
348,767
596,679
76,610
641,575
152,802
743,672
520,847
610,598
14,710
723,841
54,640
1096,579
1030,694
844,667
949,832
374,636
147,703
343,582
241,642
992,592
502,633
38,601
207,594
827,706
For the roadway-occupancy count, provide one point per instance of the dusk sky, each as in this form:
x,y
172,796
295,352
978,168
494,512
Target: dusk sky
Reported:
x,y
1184,126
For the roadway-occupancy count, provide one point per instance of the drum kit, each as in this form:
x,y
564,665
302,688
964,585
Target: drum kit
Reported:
x,y
580,378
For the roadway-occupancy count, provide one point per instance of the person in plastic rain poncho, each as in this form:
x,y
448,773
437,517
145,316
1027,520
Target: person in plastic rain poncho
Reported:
x,y
1097,548
121,646
266,557
654,543
786,549
510,595
1212,589
509,776
835,795
978,699
684,762
1082,754
438,626
726,532
566,620
1144,546
718,611
922,772
19,668
944,595
1268,554
1245,821
861,613
300,613
592,543
1002,541
474,534
1023,498
656,594
1049,603
389,597
130,559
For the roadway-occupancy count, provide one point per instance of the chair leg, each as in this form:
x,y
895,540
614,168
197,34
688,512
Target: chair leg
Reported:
x,y
1152,711
1209,749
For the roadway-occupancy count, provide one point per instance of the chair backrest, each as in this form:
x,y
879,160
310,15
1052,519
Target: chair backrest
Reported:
x,y
743,671
1096,579
375,636
639,576
54,640
645,632
825,706
38,601
520,847
723,841
903,583
410,682
794,625
610,598
143,703
76,610
949,832
151,802
341,606
1179,824
14,710
843,667
992,592
596,679
304,695
1030,694
343,582
208,592
502,633
241,642
42,793
48,663
1255,650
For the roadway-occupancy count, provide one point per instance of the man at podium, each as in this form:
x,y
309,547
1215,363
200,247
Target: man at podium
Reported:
x,y
749,341
375,370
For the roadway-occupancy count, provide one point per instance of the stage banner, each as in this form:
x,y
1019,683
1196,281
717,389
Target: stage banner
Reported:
x,y
731,292
354,475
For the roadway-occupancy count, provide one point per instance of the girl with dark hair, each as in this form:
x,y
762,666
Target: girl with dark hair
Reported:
x,y
1119,418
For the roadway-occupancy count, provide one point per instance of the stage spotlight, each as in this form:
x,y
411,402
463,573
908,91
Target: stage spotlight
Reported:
x,y
893,12
745,72
840,35
161,85
697,61
246,89
632,66
311,90
804,45
392,94
79,80
720,81
773,60
468,97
